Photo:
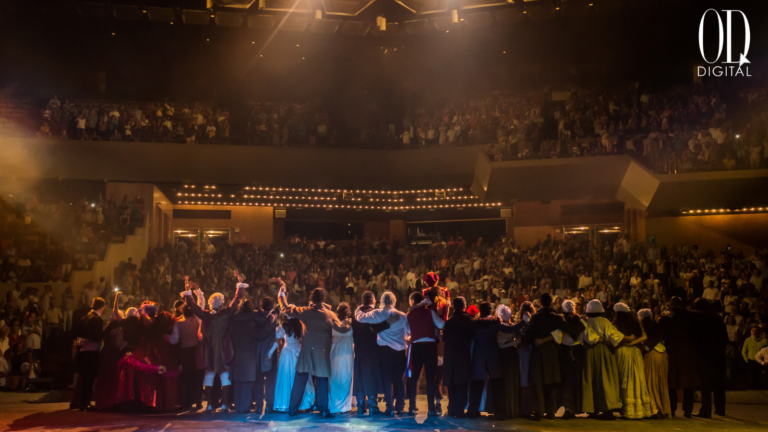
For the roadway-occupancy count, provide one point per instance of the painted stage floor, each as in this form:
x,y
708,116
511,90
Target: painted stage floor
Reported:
x,y
17,415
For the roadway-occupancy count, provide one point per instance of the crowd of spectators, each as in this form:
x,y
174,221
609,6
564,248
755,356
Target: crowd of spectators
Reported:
x,y
639,275
135,121
45,242
680,129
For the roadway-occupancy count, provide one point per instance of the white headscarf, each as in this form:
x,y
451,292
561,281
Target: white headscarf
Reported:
x,y
503,312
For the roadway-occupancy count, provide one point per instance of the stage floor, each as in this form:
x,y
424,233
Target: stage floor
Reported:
x,y
17,415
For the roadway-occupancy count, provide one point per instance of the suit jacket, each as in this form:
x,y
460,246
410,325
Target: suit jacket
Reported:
x,y
367,370
677,327
91,327
712,340
457,358
217,344
247,332
485,351
545,358
319,320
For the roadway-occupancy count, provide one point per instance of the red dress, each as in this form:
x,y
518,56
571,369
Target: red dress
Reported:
x,y
140,374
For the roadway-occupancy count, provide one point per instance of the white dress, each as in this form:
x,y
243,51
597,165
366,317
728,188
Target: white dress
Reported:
x,y
286,372
342,367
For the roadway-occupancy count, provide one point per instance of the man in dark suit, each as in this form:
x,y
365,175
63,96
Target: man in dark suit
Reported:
x,y
89,333
678,329
457,363
315,355
367,370
712,342
486,361
545,358
266,372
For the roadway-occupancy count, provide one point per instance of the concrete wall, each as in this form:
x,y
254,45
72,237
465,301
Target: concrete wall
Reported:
x,y
742,232
376,229
255,223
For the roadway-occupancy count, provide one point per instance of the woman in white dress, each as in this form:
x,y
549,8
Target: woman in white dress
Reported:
x,y
291,330
342,365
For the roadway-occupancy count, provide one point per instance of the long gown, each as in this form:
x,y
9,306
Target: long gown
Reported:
x,y
636,402
286,372
107,381
600,373
342,365
140,380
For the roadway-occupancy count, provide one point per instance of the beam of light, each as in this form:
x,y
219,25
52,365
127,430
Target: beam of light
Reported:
x,y
271,36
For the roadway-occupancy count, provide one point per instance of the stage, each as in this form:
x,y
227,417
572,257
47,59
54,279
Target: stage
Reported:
x,y
750,413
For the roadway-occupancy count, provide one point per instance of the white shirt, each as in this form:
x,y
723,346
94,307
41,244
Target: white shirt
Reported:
x,y
762,356
394,336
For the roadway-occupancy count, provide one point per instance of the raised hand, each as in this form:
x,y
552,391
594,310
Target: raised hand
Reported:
x,y
239,276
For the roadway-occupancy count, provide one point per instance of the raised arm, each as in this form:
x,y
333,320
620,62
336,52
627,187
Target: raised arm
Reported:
x,y
116,308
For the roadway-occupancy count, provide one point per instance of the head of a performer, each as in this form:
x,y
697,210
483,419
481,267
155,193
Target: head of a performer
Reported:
x,y
702,305
369,299
134,313
431,279
317,296
416,298
98,304
485,309
178,308
186,311
293,327
459,304
675,303
266,304
388,299
149,309
546,300
527,307
216,301
343,311
246,306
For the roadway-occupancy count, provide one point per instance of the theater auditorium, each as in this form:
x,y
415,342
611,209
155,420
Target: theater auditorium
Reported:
x,y
378,214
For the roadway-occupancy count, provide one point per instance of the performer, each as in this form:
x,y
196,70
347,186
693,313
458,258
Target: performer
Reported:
x,y
217,345
570,337
712,342
424,324
367,363
89,332
510,365
600,378
633,389
485,360
546,374
678,331
656,365
391,349
457,334
107,381
291,332
342,366
186,333
315,355
249,326
266,371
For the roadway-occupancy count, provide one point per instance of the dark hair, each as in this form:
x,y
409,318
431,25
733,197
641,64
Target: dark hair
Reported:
x,y
485,309
267,304
178,303
343,311
186,311
368,298
627,323
246,306
293,327
702,305
317,295
98,303
459,303
416,297
527,307
546,300
675,302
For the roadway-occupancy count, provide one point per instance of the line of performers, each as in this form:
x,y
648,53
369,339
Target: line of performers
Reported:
x,y
331,361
